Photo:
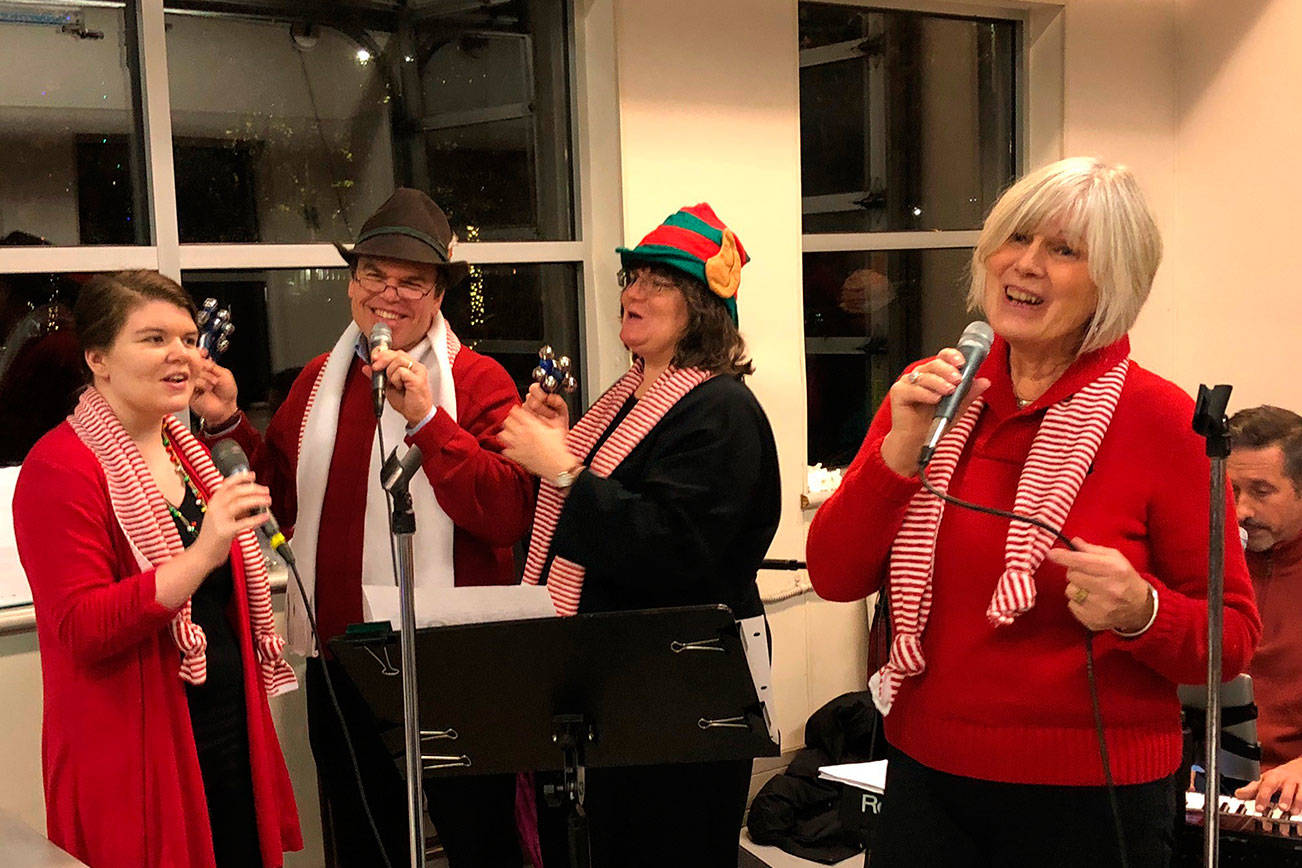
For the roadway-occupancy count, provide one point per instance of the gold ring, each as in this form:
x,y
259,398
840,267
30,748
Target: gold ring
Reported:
x,y
1080,595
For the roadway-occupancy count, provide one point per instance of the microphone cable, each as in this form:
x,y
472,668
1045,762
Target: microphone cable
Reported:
x,y
1089,651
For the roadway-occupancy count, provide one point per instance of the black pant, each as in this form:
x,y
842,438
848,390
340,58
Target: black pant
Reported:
x,y
930,818
686,816
474,816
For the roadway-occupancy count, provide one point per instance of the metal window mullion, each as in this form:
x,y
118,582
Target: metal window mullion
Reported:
x,y
921,240
157,122
63,260
228,256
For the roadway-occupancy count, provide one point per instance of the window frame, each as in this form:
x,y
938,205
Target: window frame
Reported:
x,y
1028,104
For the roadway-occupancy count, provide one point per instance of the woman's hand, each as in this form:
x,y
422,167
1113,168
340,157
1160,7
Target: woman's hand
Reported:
x,y
407,383
215,392
1104,592
913,406
549,408
535,445
238,504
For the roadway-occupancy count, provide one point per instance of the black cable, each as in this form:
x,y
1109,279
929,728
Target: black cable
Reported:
x,y
1089,652
339,712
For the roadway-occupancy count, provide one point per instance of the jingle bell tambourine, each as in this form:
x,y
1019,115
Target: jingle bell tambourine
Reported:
x,y
215,328
553,374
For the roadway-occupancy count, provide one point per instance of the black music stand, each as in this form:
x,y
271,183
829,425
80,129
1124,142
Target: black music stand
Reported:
x,y
645,687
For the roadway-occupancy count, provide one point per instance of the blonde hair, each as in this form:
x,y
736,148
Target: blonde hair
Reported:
x,y
1100,207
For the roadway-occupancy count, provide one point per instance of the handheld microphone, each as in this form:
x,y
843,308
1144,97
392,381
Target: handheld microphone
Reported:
x,y
230,459
381,335
974,344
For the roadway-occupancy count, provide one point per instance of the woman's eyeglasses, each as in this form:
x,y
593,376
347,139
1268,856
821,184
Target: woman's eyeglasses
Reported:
x,y
651,281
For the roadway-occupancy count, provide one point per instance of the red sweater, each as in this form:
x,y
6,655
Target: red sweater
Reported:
x,y
122,782
1277,666
1012,703
488,497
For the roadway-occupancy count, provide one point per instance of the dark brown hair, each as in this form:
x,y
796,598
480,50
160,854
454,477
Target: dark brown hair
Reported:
x,y
1266,426
107,300
711,341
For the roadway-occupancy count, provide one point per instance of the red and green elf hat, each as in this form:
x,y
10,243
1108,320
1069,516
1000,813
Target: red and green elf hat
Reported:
x,y
695,241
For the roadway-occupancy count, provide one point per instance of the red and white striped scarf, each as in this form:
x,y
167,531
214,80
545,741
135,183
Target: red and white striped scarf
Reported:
x,y
565,578
1060,456
142,513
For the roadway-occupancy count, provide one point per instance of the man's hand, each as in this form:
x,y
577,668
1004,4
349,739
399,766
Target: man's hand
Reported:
x,y
1283,781
1104,592
407,383
214,392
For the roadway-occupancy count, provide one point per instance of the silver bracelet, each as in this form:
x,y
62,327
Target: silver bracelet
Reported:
x,y
1152,593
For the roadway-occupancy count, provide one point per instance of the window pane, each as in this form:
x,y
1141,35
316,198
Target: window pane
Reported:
x,y
286,317
907,120
71,157
41,367
867,316
296,131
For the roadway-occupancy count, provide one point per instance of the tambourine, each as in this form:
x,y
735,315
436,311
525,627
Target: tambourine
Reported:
x,y
553,374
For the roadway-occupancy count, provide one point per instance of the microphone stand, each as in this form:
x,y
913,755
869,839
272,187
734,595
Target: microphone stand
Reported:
x,y
395,477
1210,421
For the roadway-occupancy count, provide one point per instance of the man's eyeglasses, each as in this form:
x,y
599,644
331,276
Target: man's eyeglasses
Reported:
x,y
651,281
411,290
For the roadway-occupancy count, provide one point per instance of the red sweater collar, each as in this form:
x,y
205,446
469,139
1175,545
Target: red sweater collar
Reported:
x,y
1281,556
1084,370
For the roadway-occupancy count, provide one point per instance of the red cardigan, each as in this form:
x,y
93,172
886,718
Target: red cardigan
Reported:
x,y
1012,703
488,497
122,780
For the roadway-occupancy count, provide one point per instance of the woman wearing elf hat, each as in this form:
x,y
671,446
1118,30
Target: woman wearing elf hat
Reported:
x,y
665,493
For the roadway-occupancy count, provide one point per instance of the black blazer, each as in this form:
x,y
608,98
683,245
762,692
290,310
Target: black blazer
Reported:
x,y
687,517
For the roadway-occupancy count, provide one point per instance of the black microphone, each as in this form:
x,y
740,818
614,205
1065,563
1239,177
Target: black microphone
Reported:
x,y
974,344
381,335
230,460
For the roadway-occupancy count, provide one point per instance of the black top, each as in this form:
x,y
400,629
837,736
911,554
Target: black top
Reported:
x,y
687,517
217,711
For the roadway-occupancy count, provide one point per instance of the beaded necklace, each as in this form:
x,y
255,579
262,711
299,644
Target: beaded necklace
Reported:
x,y
190,526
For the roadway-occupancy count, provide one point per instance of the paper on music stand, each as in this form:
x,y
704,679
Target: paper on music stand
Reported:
x,y
866,776
14,590
754,634
439,607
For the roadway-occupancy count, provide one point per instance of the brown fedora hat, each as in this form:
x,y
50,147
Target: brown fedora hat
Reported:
x,y
408,226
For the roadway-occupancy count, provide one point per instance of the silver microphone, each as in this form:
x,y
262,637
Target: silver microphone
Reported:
x,y
381,336
974,344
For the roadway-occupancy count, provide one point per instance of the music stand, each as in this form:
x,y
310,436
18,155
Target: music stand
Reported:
x,y
646,687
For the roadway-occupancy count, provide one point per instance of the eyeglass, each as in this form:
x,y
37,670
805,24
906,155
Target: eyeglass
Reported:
x,y
626,277
409,290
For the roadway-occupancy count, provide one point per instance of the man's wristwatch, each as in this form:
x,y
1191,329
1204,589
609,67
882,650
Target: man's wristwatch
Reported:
x,y
566,478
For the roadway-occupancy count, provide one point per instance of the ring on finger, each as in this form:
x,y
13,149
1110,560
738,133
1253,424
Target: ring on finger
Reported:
x,y
409,364
913,376
1080,595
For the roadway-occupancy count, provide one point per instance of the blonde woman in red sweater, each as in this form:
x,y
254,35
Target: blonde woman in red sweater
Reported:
x,y
996,758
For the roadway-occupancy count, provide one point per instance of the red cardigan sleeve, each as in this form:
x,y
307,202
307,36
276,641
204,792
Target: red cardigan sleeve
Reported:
x,y
849,545
484,493
1175,646
66,542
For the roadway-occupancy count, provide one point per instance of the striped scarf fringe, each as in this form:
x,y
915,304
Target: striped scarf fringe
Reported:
x,y
142,513
1061,453
565,578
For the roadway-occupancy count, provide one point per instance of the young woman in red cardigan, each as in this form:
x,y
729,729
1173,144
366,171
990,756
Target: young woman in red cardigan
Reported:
x,y
153,610
987,701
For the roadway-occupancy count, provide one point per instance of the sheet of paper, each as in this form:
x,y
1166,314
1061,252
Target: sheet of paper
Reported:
x,y
755,643
14,590
866,776
439,607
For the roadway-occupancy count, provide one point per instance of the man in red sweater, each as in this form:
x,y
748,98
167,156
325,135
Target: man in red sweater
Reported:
x,y
321,459
1265,468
